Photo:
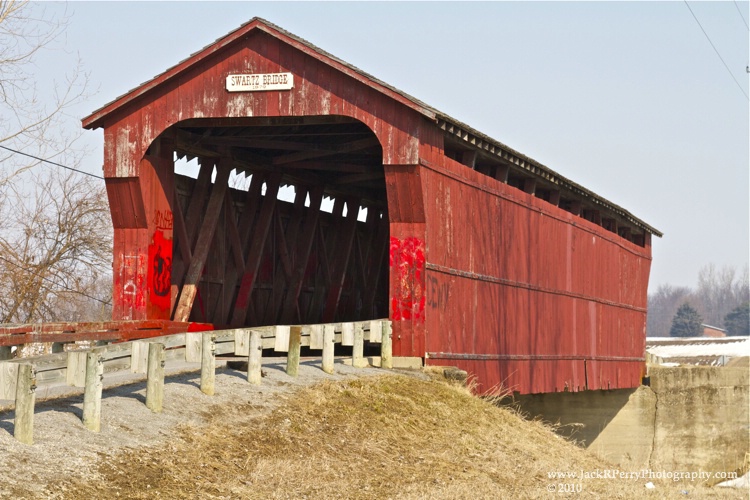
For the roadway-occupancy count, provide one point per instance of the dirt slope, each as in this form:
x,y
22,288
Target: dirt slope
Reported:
x,y
391,436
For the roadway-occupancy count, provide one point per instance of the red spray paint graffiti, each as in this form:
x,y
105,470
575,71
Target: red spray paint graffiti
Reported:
x,y
160,274
407,269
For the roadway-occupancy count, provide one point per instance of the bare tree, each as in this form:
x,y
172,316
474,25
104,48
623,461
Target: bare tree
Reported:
x,y
55,235
662,307
719,291
57,242
28,121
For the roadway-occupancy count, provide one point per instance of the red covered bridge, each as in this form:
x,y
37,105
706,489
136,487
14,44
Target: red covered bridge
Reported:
x,y
482,257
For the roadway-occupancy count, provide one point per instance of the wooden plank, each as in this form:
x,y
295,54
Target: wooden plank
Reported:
x,y
75,374
342,255
51,377
316,308
176,354
113,351
316,337
202,246
376,331
289,311
347,334
35,337
139,357
114,365
281,343
306,335
235,267
195,208
198,198
8,379
379,261
242,342
181,233
193,347
339,148
235,241
280,279
224,348
45,362
255,254
244,231
268,343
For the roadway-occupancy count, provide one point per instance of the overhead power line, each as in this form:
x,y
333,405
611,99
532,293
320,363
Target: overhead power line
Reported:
x,y
743,17
18,266
717,52
51,162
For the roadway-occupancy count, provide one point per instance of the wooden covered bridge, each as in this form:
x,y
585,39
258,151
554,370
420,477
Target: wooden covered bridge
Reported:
x,y
481,257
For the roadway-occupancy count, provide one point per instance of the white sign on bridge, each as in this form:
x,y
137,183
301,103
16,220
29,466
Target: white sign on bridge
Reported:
x,y
267,81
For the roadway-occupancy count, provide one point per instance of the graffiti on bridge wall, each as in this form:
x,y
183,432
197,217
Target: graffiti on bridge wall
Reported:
x,y
437,293
407,272
160,279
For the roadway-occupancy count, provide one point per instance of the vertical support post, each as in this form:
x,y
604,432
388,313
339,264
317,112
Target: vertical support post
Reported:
x,y
203,245
292,357
254,358
23,425
92,394
255,254
328,339
358,357
289,309
155,380
386,356
208,363
342,252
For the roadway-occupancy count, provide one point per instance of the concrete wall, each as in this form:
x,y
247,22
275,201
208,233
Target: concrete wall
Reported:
x,y
690,418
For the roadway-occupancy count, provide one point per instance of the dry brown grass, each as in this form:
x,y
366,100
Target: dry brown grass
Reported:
x,y
384,437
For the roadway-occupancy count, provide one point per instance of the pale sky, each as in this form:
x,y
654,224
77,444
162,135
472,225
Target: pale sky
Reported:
x,y
628,99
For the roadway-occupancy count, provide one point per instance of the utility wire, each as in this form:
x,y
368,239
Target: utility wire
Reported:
x,y
54,283
717,52
51,162
743,17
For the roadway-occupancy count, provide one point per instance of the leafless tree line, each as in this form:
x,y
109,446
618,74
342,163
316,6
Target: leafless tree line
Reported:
x,y
55,232
718,292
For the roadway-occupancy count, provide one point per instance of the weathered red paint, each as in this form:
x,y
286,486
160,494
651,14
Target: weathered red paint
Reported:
x,y
407,260
117,331
482,275
160,259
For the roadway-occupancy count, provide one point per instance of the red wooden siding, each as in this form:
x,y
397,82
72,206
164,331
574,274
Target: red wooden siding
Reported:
x,y
540,299
480,274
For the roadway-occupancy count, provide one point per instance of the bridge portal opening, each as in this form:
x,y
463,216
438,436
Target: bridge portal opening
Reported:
x,y
284,221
